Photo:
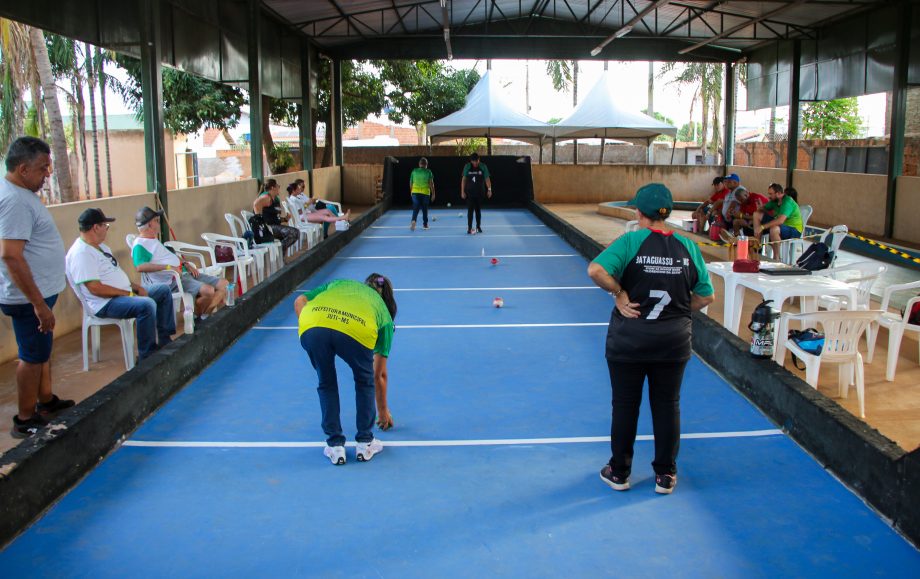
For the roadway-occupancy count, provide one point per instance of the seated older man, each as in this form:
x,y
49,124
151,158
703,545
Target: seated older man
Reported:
x,y
153,258
108,293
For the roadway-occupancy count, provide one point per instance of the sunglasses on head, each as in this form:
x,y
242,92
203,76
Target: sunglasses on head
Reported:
x,y
111,257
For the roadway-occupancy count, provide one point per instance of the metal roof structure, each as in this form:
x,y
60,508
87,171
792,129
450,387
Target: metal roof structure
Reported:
x,y
622,29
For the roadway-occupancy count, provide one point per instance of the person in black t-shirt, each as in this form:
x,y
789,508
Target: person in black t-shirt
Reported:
x,y
656,278
475,184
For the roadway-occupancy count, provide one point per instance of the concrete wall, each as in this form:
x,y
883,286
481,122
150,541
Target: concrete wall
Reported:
x,y
126,149
757,179
327,183
906,209
597,184
856,200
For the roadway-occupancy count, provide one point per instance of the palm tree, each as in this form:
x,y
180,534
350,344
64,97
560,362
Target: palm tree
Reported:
x,y
101,59
562,74
14,64
90,64
707,82
49,93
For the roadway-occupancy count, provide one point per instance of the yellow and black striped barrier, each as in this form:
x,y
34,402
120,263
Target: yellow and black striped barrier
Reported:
x,y
889,249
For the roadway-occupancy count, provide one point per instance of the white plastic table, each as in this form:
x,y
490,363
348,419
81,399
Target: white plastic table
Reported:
x,y
778,288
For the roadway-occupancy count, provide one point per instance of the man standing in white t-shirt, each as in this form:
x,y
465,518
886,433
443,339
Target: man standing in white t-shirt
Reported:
x,y
153,258
108,293
31,277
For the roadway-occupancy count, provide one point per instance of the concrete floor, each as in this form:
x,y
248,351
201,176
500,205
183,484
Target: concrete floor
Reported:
x,y
891,407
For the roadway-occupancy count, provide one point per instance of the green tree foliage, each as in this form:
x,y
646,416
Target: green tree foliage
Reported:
x,y
689,133
660,117
422,91
837,119
706,81
190,103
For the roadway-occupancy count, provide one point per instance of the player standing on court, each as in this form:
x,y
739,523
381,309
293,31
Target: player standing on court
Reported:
x,y
421,186
656,278
475,184
354,321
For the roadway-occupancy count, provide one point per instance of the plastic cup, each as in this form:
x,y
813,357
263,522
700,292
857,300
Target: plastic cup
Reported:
x,y
742,248
231,294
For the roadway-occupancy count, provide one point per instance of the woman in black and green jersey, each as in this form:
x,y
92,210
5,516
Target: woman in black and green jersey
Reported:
x,y
656,278
421,185
354,321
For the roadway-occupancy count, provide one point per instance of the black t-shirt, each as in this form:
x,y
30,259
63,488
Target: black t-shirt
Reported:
x,y
475,184
659,271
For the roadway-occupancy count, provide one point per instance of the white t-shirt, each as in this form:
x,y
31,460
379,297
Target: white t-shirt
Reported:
x,y
298,201
152,251
86,263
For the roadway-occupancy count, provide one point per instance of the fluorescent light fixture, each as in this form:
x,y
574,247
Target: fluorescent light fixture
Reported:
x,y
618,34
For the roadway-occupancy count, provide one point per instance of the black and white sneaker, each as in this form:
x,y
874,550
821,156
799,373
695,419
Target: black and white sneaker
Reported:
x,y
335,454
26,428
616,482
478,229
53,406
665,483
366,450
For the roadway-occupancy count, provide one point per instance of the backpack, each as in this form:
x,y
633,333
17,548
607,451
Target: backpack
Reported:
x,y
914,317
816,257
809,340
260,230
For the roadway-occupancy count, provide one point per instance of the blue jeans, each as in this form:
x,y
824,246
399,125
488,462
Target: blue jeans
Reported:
x,y
154,316
420,201
787,232
323,345
34,346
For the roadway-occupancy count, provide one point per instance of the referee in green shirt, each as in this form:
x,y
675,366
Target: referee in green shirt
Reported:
x,y
421,185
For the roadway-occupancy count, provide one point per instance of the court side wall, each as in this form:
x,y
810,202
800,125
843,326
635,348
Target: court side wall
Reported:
x,y
906,209
598,184
851,199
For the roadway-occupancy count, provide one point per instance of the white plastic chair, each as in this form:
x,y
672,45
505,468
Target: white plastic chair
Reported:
x,y
793,248
897,325
338,206
242,259
183,301
274,255
262,252
199,253
861,275
833,237
312,232
92,336
842,331
632,225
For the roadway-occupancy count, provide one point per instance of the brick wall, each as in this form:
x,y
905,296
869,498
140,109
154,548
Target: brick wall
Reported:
x,y
774,154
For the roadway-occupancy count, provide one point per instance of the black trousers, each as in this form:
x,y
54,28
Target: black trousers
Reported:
x,y
664,380
473,204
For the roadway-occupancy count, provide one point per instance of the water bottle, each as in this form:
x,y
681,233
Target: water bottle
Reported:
x,y
761,327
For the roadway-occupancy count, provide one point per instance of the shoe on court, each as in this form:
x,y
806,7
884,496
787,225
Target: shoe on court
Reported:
x,y
335,454
53,406
617,483
425,226
479,230
469,232
26,428
367,450
412,226
665,483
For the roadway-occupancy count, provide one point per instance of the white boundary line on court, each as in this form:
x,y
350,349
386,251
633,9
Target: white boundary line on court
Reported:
x,y
459,256
429,236
431,443
458,226
465,326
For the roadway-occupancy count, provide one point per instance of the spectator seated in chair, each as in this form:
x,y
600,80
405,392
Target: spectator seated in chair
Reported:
x,y
747,203
108,293
319,212
296,196
707,212
268,205
780,217
152,258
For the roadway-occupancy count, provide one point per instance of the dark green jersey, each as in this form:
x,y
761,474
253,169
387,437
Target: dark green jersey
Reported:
x,y
659,271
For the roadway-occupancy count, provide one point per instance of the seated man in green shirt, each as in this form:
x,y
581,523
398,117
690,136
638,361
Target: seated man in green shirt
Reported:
x,y
780,217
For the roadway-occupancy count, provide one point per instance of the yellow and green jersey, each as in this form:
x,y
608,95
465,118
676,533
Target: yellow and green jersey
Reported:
x,y
419,181
352,308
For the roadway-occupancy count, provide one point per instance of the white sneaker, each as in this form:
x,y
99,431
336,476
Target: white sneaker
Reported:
x,y
412,226
367,450
336,454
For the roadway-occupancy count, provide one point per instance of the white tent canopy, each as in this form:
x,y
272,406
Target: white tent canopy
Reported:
x,y
599,116
486,114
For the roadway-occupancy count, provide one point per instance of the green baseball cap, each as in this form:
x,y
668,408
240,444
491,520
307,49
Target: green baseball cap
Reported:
x,y
653,199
